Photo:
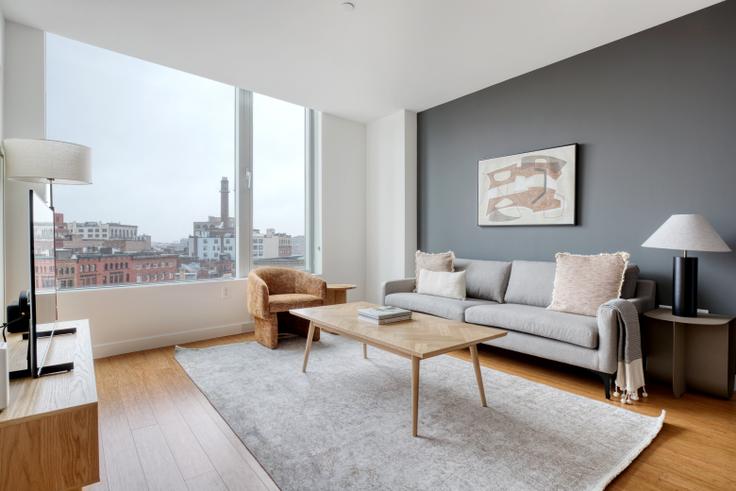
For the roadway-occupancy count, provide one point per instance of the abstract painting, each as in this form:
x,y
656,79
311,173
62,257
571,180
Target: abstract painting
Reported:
x,y
533,188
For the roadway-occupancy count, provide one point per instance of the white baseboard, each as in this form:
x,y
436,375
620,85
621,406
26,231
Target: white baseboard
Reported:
x,y
158,341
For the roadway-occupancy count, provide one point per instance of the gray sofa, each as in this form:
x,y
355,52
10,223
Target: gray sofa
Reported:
x,y
514,296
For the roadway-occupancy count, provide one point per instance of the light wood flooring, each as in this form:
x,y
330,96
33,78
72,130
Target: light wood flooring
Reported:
x,y
159,432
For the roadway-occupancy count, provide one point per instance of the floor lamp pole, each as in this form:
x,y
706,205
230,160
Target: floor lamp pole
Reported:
x,y
51,192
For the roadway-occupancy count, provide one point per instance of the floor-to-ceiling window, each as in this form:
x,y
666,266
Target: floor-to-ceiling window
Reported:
x,y
279,182
164,142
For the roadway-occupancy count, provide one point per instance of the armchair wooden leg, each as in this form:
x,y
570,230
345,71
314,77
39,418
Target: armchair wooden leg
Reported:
x,y
267,331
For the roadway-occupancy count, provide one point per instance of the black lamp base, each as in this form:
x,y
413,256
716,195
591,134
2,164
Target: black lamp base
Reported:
x,y
685,286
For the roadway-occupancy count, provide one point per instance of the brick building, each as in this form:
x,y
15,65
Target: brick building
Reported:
x,y
153,268
43,271
98,269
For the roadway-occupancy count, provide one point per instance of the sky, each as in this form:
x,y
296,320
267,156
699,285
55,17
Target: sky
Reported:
x,y
161,141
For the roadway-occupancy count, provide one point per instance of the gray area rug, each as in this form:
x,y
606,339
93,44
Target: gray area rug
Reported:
x,y
346,423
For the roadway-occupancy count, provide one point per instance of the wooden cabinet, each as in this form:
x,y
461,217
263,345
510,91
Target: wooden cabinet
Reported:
x,y
48,432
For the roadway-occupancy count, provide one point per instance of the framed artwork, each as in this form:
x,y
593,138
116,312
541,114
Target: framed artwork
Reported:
x,y
532,188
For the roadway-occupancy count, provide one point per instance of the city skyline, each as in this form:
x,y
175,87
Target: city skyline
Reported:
x,y
94,253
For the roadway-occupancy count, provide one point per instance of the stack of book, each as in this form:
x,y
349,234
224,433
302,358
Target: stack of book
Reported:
x,y
384,315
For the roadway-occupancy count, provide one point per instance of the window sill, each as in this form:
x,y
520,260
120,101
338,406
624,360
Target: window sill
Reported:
x,y
171,284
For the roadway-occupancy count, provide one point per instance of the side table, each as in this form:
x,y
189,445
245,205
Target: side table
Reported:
x,y
715,362
337,293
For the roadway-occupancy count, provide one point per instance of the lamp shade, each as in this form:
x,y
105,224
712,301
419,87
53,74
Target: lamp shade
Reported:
x,y
40,160
690,232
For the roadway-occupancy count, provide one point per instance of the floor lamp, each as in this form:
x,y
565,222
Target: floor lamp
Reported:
x,y
47,162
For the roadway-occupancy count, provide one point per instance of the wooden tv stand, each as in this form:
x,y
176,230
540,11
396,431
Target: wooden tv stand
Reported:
x,y
48,432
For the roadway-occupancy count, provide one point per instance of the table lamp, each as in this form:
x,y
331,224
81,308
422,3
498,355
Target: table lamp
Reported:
x,y
47,161
691,232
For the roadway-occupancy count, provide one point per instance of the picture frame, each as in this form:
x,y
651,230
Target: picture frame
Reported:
x,y
528,189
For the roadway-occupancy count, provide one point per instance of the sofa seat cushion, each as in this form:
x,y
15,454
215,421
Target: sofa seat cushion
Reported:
x,y
449,308
287,301
580,330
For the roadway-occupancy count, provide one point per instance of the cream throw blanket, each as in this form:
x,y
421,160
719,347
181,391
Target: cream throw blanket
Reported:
x,y
630,374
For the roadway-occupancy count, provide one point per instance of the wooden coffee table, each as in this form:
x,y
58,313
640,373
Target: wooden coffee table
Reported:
x,y
424,336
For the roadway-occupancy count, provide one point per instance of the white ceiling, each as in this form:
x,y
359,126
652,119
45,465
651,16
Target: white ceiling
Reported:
x,y
384,56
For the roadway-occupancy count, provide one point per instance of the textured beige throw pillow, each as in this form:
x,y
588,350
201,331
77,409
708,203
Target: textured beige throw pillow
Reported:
x,y
584,283
443,261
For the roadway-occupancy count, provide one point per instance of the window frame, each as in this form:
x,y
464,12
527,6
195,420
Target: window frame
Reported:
x,y
244,181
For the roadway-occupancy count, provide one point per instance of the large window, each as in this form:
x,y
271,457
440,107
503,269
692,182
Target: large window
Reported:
x,y
162,206
279,183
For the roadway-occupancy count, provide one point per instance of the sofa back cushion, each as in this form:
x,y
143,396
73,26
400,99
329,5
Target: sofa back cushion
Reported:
x,y
631,276
486,280
531,283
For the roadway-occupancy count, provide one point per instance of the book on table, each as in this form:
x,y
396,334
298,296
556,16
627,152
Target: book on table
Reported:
x,y
381,322
384,312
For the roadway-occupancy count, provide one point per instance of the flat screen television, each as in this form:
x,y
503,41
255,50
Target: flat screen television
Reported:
x,y
42,261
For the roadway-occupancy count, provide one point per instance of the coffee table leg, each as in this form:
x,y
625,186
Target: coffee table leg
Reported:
x,y
365,350
478,374
414,394
308,348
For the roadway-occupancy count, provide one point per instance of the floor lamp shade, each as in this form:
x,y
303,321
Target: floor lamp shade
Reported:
x,y
47,161
689,232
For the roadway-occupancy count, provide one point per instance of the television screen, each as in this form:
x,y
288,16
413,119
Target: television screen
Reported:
x,y
41,296
42,246
43,282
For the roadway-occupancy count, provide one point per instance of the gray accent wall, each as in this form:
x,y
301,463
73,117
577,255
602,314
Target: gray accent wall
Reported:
x,y
654,115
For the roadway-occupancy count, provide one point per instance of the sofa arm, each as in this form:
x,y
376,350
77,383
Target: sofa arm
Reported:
x,y
311,285
405,285
257,296
646,293
607,341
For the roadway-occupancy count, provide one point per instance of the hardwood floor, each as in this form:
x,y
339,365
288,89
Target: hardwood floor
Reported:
x,y
159,432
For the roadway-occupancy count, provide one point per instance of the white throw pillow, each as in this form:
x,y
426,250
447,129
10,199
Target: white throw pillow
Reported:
x,y
442,283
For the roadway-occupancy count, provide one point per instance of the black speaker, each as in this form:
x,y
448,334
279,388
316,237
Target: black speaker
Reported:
x,y
685,286
19,314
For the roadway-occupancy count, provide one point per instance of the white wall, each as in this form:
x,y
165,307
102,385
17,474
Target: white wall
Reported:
x,y
341,153
391,199
23,117
140,317
2,169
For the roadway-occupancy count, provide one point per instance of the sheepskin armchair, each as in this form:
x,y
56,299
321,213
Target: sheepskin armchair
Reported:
x,y
272,292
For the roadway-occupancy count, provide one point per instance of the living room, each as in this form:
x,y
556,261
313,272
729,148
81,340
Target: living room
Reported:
x,y
367,245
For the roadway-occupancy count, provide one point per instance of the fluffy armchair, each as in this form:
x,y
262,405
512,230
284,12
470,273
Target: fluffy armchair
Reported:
x,y
272,292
